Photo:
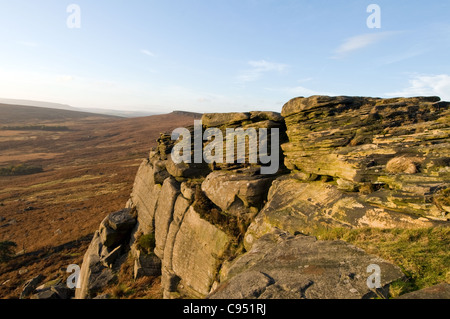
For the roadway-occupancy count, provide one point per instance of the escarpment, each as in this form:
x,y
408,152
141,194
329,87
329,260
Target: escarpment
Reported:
x,y
226,230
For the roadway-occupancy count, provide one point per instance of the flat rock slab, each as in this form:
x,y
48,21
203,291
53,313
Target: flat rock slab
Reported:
x,y
441,291
145,197
301,267
121,220
115,227
297,206
219,119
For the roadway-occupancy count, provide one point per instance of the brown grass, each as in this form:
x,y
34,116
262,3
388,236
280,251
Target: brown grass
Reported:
x,y
128,288
91,176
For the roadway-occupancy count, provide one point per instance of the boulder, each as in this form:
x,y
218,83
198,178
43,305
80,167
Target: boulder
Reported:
x,y
93,276
186,170
109,237
400,144
238,190
280,266
297,206
301,104
169,282
121,221
90,267
107,245
440,291
220,119
31,285
248,124
116,227
59,291
257,116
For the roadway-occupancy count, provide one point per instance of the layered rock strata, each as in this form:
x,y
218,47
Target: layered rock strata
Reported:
x,y
226,230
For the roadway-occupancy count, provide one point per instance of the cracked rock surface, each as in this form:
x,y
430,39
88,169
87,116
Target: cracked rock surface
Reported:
x,y
301,267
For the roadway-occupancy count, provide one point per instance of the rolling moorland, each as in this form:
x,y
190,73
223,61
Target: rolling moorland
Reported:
x,y
61,173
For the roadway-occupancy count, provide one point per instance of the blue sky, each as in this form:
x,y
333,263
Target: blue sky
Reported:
x,y
220,55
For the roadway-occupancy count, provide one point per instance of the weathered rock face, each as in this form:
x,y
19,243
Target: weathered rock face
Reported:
x,y
30,286
244,123
228,230
298,206
116,227
164,213
401,144
236,192
105,248
189,245
197,248
301,267
440,291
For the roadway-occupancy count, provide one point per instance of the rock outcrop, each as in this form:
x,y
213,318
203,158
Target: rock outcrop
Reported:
x,y
301,267
395,151
105,249
227,230
440,291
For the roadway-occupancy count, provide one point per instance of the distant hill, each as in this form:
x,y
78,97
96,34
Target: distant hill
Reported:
x,y
120,113
185,113
38,104
24,114
59,106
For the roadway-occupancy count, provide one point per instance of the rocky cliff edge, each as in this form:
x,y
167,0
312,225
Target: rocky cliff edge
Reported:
x,y
228,231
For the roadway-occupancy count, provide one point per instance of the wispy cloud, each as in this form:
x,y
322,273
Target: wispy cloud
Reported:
x,y
149,53
297,91
420,85
359,42
258,69
409,54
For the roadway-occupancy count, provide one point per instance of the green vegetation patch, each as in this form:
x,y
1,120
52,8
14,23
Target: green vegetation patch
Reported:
x,y
235,226
422,254
21,169
146,243
36,128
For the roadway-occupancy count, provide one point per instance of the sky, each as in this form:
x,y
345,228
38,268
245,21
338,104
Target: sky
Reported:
x,y
220,55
